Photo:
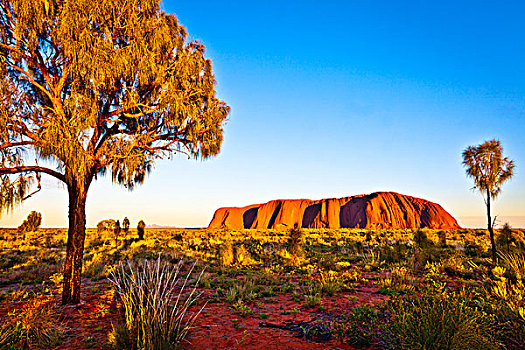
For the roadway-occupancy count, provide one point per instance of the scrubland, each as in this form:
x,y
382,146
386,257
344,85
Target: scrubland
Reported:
x,y
249,289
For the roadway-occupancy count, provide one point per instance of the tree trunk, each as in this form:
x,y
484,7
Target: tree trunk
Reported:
x,y
491,231
75,244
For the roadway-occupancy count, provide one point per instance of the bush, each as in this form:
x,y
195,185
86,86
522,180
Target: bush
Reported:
x,y
296,242
438,321
505,240
105,225
125,225
226,255
141,227
357,327
37,324
156,303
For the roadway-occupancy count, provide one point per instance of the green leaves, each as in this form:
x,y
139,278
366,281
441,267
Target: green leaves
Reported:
x,y
487,166
107,87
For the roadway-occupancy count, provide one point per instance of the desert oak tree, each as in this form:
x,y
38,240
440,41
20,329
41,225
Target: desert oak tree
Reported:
x,y
88,88
488,168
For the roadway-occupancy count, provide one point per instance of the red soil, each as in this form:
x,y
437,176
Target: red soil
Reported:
x,y
215,328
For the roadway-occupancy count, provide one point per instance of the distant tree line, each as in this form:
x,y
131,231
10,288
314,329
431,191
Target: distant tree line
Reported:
x,y
111,225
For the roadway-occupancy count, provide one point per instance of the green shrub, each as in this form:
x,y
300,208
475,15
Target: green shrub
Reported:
x,y
358,327
296,242
438,321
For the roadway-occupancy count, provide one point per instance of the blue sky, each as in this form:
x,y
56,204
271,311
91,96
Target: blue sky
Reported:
x,y
337,98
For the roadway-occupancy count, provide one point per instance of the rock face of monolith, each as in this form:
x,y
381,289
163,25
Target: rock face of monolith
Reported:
x,y
376,210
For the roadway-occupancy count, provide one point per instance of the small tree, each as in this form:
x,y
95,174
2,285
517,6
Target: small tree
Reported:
x,y
32,223
488,168
141,227
116,231
94,88
125,224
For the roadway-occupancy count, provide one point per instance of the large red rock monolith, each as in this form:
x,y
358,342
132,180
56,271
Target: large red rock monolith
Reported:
x,y
376,210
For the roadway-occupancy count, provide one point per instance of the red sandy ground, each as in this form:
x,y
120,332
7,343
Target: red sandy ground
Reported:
x,y
87,327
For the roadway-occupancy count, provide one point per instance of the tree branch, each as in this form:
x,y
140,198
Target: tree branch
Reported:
x,y
32,168
15,144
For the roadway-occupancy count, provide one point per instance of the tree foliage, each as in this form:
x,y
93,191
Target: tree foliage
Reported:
x,y
100,88
89,89
488,168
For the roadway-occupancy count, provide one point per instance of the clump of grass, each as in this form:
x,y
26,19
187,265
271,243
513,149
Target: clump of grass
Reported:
x,y
243,290
330,282
312,297
509,284
156,300
37,324
438,321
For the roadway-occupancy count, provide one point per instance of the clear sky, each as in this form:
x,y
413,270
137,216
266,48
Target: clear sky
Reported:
x,y
337,98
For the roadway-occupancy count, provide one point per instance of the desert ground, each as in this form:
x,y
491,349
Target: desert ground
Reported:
x,y
273,289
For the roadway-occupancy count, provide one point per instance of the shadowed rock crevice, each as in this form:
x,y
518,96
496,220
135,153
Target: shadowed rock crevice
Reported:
x,y
249,217
311,213
271,223
376,210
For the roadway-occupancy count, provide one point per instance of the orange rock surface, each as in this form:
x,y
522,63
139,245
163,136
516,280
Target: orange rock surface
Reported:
x,y
376,210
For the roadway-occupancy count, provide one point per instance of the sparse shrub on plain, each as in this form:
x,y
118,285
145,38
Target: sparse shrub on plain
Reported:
x,y
312,296
156,299
242,256
421,240
141,228
509,283
424,251
295,245
505,240
358,327
116,232
226,254
442,235
125,225
394,253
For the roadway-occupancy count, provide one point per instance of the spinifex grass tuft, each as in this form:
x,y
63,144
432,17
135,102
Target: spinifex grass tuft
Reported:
x,y
156,299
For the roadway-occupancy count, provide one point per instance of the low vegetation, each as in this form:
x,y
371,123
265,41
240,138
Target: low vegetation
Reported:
x,y
380,289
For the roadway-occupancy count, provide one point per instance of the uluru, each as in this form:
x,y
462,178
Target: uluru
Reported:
x,y
373,211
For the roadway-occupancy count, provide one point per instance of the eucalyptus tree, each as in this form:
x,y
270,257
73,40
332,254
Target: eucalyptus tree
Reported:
x,y
488,168
93,88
